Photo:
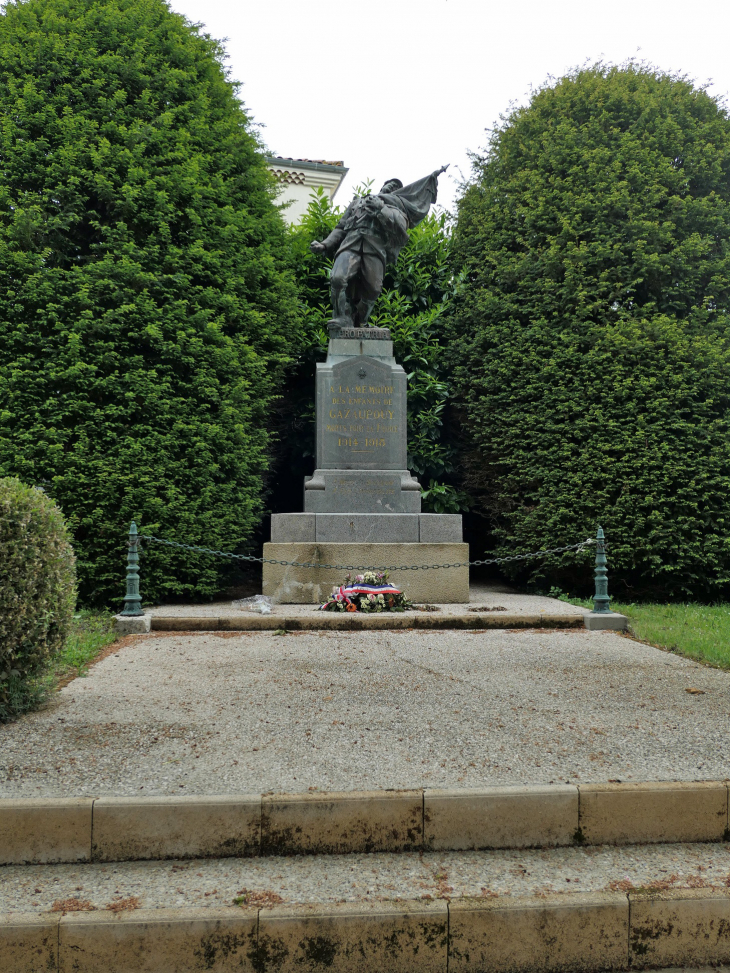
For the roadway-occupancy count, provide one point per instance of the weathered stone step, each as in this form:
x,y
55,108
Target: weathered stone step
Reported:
x,y
355,622
559,910
107,829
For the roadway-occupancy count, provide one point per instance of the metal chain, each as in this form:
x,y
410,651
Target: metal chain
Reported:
x,y
367,567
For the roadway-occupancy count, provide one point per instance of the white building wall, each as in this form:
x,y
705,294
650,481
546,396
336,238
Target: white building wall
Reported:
x,y
298,178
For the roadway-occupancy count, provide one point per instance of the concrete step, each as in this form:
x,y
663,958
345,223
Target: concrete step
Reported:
x,y
358,622
599,908
110,829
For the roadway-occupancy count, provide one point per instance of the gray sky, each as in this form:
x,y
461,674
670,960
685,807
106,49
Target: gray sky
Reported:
x,y
400,87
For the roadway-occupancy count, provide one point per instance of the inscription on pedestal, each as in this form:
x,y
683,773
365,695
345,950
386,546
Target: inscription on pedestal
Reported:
x,y
361,416
367,334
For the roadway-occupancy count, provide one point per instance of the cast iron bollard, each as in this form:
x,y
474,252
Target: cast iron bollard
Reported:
x,y
132,599
601,598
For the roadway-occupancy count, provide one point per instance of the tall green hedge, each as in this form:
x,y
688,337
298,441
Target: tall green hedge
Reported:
x,y
591,340
146,305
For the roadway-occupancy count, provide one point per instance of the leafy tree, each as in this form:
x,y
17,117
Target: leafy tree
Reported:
x,y
591,337
146,305
416,293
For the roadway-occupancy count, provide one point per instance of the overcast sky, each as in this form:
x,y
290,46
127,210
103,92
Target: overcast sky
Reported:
x,y
400,87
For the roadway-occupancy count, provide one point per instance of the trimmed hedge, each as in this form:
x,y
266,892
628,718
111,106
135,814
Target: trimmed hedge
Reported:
x,y
591,340
37,587
147,309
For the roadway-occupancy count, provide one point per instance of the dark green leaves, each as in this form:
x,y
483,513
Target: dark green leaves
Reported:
x,y
146,308
591,340
37,588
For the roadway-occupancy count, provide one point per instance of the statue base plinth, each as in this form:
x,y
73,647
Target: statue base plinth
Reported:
x,y
362,491
287,585
355,528
362,506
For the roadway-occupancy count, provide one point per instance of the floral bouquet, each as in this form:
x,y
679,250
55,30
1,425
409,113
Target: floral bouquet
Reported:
x,y
368,592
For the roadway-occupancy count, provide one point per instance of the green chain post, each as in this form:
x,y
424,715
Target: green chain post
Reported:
x,y
601,599
132,600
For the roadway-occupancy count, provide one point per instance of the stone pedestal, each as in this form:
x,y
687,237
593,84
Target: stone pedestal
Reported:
x,y
361,448
362,496
603,621
313,586
362,491
132,624
356,528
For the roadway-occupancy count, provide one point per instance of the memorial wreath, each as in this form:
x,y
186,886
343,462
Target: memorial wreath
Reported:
x,y
368,592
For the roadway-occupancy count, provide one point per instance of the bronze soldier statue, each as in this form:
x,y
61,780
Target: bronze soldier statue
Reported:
x,y
369,236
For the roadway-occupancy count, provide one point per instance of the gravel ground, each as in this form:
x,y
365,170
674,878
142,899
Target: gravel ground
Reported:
x,y
483,597
229,713
204,882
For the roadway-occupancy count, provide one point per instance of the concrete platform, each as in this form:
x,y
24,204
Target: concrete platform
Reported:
x,y
484,599
490,606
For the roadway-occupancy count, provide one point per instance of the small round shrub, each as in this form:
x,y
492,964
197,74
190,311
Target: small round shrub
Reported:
x,y
37,586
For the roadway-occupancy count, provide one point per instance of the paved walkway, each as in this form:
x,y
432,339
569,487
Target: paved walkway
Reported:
x,y
228,713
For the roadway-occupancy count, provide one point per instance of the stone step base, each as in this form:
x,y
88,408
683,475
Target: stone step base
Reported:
x,y
363,622
113,829
435,929
353,528
287,585
318,621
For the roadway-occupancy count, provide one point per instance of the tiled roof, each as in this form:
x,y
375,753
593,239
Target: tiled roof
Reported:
x,y
321,162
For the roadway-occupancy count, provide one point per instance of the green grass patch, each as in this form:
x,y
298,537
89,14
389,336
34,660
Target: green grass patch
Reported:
x,y
91,632
700,632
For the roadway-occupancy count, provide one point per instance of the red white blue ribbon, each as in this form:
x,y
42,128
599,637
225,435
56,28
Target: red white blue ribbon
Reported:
x,y
366,589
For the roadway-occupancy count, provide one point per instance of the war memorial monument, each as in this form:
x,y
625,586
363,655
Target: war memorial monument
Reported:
x,y
362,506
